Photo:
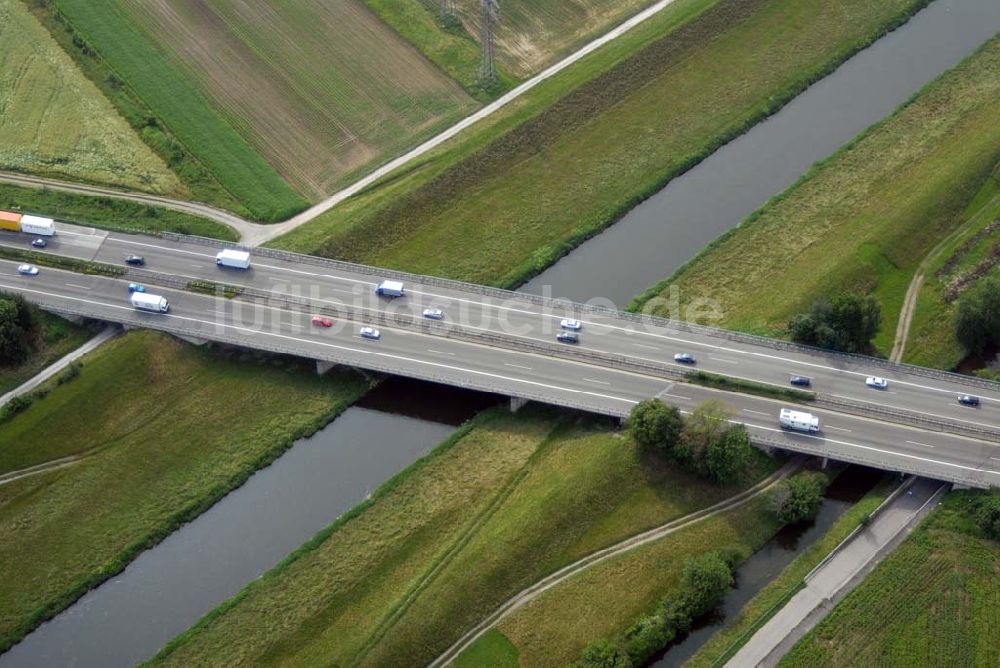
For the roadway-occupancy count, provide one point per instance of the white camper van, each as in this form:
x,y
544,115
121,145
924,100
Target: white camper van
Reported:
x,y
799,421
147,302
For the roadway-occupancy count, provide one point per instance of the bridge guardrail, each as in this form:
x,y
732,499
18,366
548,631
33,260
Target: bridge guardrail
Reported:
x,y
906,417
576,307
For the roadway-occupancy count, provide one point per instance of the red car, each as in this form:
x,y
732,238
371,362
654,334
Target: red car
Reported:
x,y
320,321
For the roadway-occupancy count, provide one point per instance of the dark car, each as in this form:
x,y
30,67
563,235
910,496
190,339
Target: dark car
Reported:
x,y
684,358
568,337
800,381
39,243
136,260
968,400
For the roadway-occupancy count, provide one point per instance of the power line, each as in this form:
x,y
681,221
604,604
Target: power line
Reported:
x,y
487,62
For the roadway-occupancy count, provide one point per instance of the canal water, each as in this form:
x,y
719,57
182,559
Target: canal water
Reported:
x,y
763,566
661,234
169,587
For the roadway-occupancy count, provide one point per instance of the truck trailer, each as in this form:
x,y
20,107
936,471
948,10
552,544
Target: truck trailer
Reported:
x,y
231,257
147,302
10,221
799,421
390,289
44,227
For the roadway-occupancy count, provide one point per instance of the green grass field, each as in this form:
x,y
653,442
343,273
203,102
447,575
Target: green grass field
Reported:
x,y
933,602
143,414
107,29
59,338
55,122
864,219
402,578
108,213
509,198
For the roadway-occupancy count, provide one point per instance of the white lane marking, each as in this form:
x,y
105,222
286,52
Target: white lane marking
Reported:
x,y
675,396
439,352
921,412
996,459
198,266
921,444
722,359
830,426
517,366
591,380
74,285
643,345
750,410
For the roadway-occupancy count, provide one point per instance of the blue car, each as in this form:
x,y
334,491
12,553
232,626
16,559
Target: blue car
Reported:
x,y
136,287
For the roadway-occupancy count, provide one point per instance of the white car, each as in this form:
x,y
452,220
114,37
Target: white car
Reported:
x,y
876,382
434,313
27,269
569,323
370,333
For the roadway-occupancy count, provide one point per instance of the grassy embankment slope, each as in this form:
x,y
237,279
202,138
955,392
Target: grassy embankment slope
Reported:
x,y
400,580
151,82
143,414
56,123
507,199
58,338
932,602
864,218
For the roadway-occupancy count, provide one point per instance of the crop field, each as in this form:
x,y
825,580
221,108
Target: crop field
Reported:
x,y
55,122
933,602
864,219
399,580
506,201
67,530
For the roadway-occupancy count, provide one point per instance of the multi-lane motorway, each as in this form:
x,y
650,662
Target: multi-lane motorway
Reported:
x,y
520,365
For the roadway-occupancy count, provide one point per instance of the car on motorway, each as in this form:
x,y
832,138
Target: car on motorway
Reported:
x,y
320,321
684,358
39,243
569,323
135,260
800,381
876,382
568,337
434,313
27,269
136,287
968,400
370,333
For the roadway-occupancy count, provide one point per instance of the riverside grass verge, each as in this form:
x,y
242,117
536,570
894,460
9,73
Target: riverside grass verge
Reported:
x,y
933,602
725,642
120,57
730,384
863,219
109,213
404,575
57,123
59,337
65,532
507,199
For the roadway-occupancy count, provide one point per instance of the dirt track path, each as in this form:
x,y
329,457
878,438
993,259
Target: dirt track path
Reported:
x,y
906,317
563,574
39,468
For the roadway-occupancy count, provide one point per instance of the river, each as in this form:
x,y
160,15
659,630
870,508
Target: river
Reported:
x,y
655,238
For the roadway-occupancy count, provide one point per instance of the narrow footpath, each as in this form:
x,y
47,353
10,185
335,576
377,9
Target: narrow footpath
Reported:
x,y
840,573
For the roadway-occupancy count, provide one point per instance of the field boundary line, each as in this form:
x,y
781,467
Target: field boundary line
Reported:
x,y
651,535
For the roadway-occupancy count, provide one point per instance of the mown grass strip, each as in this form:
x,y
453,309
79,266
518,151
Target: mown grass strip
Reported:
x,y
61,262
214,289
730,384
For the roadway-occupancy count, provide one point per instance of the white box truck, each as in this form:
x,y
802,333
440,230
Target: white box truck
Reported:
x,y
799,421
45,227
147,302
390,289
231,257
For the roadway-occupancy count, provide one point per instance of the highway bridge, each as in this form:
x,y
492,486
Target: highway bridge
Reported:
x,y
504,342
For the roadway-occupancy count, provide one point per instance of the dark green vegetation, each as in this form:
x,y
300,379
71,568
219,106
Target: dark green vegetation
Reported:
x,y
108,213
847,323
986,512
399,579
977,326
705,579
20,329
55,338
799,497
704,442
932,602
142,417
730,384
863,220
516,193
160,102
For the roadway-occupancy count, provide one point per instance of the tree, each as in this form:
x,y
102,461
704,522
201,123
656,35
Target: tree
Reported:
x,y
799,497
707,577
655,426
987,514
729,455
847,323
604,654
706,425
977,325
19,326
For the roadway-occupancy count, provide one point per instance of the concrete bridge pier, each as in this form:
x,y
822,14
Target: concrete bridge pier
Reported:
x,y
517,403
323,366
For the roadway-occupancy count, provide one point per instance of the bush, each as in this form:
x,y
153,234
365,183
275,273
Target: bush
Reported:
x,y
729,455
604,654
987,515
19,329
655,426
977,325
703,428
798,498
848,323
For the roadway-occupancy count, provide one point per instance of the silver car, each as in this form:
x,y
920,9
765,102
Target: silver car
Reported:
x,y
434,313
370,333
27,269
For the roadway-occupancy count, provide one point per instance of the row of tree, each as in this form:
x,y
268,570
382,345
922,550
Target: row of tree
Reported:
x,y
978,323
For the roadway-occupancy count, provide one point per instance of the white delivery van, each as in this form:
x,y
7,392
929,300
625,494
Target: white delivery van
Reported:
x,y
233,258
147,302
390,289
799,421
45,227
